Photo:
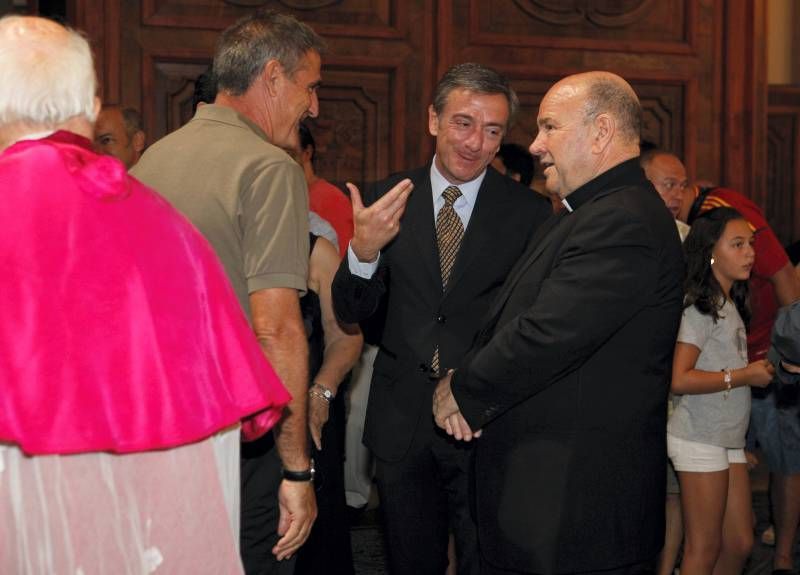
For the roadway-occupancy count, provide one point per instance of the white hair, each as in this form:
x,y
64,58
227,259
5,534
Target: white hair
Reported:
x,y
46,77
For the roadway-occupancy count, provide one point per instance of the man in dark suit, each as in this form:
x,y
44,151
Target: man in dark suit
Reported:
x,y
568,378
463,229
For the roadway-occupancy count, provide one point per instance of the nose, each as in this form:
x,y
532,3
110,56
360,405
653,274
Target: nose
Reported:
x,y
313,108
474,141
536,148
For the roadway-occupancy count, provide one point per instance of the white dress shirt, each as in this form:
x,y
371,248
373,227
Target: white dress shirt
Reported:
x,y
463,207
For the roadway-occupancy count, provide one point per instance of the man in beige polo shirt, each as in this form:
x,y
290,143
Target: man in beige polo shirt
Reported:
x,y
226,171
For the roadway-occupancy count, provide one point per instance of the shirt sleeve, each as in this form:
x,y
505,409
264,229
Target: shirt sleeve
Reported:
x,y
274,222
771,256
695,327
361,269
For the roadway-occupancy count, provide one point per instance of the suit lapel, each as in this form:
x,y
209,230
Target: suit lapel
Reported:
x,y
419,219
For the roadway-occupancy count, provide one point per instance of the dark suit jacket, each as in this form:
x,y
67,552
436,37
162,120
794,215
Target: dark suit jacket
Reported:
x,y
569,380
419,315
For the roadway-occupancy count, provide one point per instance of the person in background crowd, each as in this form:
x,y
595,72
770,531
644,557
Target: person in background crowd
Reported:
x,y
515,162
711,378
323,197
775,414
119,132
668,176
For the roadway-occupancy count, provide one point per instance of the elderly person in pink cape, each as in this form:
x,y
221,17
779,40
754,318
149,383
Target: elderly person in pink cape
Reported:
x,y
126,363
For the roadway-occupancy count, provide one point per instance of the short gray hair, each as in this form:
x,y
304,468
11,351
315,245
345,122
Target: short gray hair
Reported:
x,y
606,95
475,78
44,83
245,47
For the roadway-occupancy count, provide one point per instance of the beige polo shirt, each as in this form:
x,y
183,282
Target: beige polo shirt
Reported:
x,y
246,196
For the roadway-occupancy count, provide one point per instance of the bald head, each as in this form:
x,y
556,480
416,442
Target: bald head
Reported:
x,y
588,123
668,176
46,75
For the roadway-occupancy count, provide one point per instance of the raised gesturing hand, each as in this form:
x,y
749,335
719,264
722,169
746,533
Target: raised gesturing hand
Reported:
x,y
377,225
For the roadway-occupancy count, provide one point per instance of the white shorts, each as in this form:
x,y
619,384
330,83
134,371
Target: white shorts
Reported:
x,y
693,456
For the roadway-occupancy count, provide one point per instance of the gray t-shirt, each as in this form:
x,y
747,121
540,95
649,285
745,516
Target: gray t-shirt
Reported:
x,y
713,418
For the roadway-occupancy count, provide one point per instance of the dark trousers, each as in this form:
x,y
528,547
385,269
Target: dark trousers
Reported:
x,y
327,549
423,497
261,477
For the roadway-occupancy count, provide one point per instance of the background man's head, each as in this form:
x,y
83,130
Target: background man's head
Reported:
x,y
515,162
47,79
205,89
668,176
588,123
307,150
472,109
120,133
274,60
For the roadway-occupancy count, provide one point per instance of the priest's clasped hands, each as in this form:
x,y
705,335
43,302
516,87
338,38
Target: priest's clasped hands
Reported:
x,y
447,414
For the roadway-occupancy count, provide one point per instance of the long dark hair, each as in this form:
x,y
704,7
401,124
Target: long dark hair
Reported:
x,y
702,288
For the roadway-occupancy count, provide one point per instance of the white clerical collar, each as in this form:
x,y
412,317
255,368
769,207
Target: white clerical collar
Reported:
x,y
566,204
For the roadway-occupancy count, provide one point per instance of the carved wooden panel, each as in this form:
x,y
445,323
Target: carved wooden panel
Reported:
x,y
782,206
697,64
355,119
360,18
662,25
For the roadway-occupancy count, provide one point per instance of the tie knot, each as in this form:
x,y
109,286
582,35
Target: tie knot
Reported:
x,y
451,194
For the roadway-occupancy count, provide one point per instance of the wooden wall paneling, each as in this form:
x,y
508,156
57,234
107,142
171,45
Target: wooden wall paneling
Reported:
x,y
698,64
665,49
648,26
782,206
100,21
330,18
745,91
358,109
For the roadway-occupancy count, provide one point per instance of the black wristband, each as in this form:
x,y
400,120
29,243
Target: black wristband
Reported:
x,y
305,475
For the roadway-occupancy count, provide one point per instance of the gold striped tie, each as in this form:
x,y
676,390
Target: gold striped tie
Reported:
x,y
449,231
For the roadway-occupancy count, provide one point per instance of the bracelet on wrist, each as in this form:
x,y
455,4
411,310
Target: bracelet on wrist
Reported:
x,y
727,379
300,476
319,395
318,388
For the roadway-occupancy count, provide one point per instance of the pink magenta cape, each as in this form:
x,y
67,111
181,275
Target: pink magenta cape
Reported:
x,y
119,330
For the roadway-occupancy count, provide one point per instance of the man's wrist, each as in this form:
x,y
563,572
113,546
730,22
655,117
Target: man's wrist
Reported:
x,y
300,475
319,391
365,256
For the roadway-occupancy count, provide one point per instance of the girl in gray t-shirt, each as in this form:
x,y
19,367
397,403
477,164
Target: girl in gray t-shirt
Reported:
x,y
710,377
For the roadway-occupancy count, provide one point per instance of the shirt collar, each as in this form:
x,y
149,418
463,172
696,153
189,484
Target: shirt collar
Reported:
x,y
228,115
627,173
469,190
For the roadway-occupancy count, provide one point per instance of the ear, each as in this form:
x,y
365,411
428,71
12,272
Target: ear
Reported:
x,y
603,130
138,141
271,76
433,121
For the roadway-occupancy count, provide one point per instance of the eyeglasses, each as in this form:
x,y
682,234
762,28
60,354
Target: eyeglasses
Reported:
x,y
670,184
